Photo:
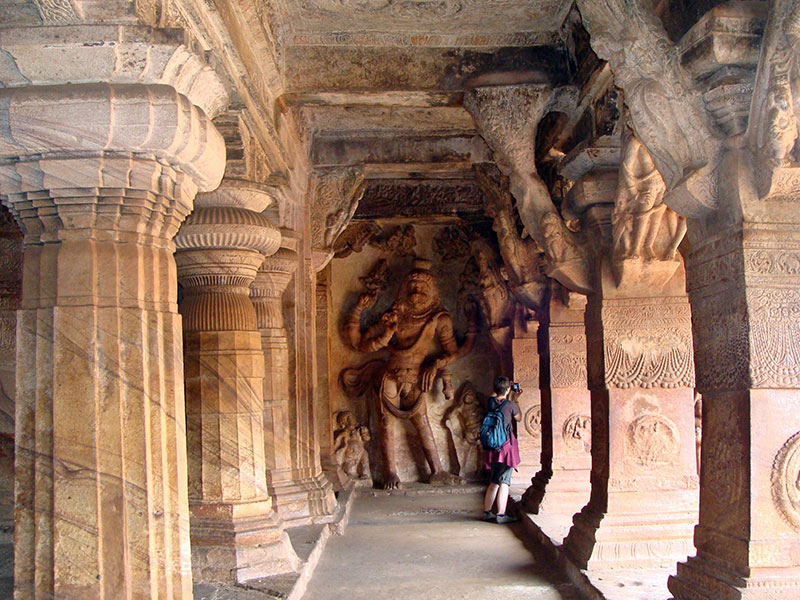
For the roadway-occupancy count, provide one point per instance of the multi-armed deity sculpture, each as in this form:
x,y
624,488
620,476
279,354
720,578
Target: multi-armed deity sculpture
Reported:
x,y
418,332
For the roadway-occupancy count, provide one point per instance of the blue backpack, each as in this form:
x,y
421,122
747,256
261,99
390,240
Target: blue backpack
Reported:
x,y
494,432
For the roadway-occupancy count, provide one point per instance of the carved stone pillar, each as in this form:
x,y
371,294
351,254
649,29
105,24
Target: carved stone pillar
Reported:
x,y
325,424
274,276
306,459
525,356
10,292
562,486
236,534
100,176
744,285
641,375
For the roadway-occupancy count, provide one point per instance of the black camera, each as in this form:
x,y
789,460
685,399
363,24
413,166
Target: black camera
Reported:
x,y
515,387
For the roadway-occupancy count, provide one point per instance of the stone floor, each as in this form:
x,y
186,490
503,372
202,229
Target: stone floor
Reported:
x,y
431,546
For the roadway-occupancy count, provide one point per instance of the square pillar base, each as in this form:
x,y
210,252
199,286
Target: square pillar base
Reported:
x,y
701,578
233,543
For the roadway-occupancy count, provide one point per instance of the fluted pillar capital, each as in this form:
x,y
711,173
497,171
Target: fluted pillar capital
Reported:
x,y
219,251
118,54
240,193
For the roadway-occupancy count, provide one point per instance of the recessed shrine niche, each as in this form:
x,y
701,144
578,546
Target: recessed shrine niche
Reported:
x,y
378,264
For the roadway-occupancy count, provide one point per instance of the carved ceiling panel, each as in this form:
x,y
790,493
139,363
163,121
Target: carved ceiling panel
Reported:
x,y
448,23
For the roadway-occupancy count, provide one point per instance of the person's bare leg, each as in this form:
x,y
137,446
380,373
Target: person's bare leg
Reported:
x,y
502,498
491,494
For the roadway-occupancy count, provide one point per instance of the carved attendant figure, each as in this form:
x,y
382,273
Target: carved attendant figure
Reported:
x,y
639,208
348,446
418,332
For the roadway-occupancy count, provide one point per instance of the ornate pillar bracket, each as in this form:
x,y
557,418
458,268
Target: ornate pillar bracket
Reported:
x,y
669,115
507,117
100,177
772,128
336,192
523,258
236,534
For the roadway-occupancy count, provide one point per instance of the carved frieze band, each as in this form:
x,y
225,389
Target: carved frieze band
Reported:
x,y
756,282
729,259
774,337
647,345
568,370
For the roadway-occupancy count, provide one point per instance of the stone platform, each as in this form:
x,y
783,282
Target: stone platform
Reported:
x,y
549,530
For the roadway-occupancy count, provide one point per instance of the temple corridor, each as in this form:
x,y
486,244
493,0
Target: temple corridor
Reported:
x,y
431,546
268,264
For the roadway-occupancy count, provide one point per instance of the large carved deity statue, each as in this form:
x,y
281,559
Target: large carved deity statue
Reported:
x,y
418,332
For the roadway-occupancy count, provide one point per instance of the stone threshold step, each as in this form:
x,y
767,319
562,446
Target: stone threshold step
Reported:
x,y
594,584
423,489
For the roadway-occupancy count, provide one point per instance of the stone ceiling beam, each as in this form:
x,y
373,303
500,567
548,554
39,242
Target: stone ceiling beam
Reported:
x,y
250,59
406,98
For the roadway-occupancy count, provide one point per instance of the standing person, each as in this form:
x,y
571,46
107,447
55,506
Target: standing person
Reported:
x,y
504,460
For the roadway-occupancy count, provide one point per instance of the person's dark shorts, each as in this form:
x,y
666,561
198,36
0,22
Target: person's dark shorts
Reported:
x,y
501,473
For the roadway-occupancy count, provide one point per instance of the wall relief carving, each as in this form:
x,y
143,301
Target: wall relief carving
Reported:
x,y
452,243
786,481
355,237
463,420
349,448
418,333
401,241
577,433
567,370
653,441
377,278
